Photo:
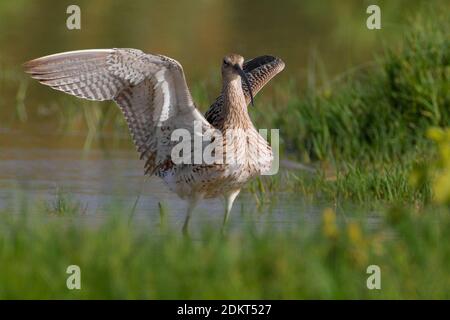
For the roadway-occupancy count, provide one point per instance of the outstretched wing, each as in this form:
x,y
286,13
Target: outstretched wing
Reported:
x,y
259,72
150,90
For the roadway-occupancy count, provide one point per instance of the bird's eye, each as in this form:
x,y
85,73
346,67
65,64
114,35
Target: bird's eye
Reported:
x,y
225,62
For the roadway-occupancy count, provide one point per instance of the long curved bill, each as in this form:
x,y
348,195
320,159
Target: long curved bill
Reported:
x,y
244,76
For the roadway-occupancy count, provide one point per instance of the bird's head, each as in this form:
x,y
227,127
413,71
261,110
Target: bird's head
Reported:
x,y
232,68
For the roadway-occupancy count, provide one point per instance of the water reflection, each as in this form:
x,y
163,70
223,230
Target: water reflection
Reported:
x,y
99,181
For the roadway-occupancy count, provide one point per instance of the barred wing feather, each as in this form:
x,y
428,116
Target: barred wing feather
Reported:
x,y
150,90
259,71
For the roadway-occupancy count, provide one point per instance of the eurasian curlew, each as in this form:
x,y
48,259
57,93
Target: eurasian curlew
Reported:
x,y
152,93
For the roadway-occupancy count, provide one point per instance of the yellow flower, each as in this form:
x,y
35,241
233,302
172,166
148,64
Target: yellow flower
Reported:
x,y
354,233
438,171
441,187
435,134
358,248
330,228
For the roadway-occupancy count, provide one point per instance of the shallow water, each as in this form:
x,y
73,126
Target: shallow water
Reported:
x,y
102,179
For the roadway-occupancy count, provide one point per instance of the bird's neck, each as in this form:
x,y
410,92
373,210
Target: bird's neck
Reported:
x,y
235,106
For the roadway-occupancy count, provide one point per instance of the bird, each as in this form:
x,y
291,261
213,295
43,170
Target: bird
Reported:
x,y
153,95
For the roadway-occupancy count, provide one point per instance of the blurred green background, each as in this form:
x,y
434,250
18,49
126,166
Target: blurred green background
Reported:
x,y
329,35
200,33
366,110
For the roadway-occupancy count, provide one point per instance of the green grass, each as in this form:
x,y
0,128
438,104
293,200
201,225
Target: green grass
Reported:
x,y
119,260
377,113
371,184
365,132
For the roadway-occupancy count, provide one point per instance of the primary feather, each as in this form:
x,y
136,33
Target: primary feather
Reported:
x,y
150,90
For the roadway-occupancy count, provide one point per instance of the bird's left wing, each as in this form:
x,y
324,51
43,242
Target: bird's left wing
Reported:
x,y
150,90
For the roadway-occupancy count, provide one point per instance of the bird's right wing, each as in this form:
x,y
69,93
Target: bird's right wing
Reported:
x,y
150,90
259,71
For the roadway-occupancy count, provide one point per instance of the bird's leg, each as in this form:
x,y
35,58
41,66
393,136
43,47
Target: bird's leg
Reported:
x,y
191,205
229,200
